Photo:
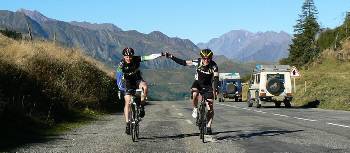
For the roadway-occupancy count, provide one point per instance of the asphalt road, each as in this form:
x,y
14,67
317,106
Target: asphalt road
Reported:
x,y
169,127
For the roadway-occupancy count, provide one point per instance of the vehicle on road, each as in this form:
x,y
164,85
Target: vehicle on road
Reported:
x,y
270,83
230,86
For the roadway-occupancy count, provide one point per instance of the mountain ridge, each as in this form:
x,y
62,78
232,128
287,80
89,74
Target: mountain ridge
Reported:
x,y
102,43
246,46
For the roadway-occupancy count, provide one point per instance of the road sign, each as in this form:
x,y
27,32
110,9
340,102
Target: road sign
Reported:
x,y
294,72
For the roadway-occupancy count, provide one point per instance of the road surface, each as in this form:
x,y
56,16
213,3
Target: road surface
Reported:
x,y
169,127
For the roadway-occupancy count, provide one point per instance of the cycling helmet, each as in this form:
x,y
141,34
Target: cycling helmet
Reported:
x,y
128,51
206,53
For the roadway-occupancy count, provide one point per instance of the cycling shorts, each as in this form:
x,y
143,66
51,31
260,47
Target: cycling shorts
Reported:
x,y
206,89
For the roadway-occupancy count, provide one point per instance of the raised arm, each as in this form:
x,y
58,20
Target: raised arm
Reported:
x,y
178,60
216,78
150,57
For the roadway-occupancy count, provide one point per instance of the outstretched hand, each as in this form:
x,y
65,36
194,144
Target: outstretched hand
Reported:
x,y
167,55
162,53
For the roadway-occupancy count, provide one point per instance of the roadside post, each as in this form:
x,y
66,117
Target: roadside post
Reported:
x,y
294,73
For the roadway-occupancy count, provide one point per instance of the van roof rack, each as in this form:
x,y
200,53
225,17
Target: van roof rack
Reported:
x,y
272,68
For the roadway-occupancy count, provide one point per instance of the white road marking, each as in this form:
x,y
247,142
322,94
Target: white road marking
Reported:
x,y
209,138
338,125
189,121
180,114
225,105
173,106
299,118
305,119
259,111
234,106
281,115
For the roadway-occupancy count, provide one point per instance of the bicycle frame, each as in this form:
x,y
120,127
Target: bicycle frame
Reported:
x,y
134,117
202,116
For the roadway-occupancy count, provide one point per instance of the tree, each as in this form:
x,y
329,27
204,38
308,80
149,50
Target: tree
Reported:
x,y
304,47
11,34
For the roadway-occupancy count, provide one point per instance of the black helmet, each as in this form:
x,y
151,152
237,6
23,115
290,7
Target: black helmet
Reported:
x,y
128,51
206,53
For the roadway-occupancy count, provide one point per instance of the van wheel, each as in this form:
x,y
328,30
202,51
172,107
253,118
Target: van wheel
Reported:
x,y
258,105
278,104
287,104
250,102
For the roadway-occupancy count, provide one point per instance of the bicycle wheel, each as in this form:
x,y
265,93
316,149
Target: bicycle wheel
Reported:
x,y
137,130
133,123
133,135
204,125
202,120
137,116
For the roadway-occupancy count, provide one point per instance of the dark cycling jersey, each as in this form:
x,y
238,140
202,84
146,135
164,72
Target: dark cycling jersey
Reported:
x,y
130,70
205,73
128,74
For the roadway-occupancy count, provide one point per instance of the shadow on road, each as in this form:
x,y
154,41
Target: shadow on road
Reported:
x,y
244,136
227,137
181,136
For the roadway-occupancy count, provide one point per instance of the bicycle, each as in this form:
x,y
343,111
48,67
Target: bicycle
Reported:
x,y
134,113
202,114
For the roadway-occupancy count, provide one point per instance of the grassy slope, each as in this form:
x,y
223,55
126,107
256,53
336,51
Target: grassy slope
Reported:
x,y
327,80
46,86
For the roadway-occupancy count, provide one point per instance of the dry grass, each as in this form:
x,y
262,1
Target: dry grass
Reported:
x,y
46,80
327,80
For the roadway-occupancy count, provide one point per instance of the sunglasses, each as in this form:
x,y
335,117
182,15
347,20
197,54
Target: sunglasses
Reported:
x,y
206,59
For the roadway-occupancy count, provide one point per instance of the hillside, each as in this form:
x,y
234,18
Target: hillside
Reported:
x,y
43,84
246,46
327,81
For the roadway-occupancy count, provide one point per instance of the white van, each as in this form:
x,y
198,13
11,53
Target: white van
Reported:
x,y
270,83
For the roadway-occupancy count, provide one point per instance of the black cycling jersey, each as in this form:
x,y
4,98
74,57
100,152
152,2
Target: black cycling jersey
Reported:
x,y
131,70
205,73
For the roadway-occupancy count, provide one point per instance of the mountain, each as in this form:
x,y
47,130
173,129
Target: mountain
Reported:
x,y
101,41
35,15
96,26
246,46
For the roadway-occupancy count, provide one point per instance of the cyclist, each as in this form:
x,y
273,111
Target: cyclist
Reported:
x,y
129,77
207,76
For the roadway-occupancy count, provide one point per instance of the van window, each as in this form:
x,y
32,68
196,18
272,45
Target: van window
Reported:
x,y
277,76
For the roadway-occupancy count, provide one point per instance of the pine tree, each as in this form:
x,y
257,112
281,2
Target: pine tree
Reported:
x,y
304,47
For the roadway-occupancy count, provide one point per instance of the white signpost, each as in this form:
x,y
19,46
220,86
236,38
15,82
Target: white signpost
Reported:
x,y
294,73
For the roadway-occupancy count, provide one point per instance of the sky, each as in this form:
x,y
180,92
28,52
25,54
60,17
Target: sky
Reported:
x,y
197,20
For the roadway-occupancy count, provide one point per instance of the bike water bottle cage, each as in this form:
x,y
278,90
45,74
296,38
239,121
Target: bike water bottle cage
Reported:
x,y
138,92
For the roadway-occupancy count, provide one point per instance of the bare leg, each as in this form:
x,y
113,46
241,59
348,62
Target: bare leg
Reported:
x,y
143,85
210,108
195,97
126,107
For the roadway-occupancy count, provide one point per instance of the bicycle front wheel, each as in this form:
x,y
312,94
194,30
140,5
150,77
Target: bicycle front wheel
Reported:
x,y
137,130
133,123
202,123
133,133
